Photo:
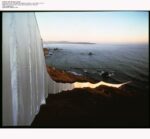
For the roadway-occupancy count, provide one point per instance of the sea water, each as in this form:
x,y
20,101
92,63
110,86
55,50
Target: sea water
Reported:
x,y
123,62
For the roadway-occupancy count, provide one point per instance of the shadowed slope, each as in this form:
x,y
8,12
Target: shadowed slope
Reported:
x,y
100,107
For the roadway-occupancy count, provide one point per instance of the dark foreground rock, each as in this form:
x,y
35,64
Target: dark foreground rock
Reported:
x,y
100,107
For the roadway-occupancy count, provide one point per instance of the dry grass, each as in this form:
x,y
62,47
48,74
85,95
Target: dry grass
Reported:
x,y
66,77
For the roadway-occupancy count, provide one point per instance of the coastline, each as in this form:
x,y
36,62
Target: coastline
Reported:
x,y
102,106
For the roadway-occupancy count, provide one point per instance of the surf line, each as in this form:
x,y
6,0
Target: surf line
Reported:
x,y
91,85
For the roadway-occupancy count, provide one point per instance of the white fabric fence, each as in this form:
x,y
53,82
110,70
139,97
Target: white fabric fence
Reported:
x,y
26,82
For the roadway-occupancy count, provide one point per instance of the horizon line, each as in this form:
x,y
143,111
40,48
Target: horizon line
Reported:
x,y
64,41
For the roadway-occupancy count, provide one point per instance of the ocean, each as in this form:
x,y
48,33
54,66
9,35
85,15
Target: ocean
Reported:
x,y
122,62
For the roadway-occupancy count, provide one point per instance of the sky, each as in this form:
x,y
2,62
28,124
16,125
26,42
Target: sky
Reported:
x,y
98,27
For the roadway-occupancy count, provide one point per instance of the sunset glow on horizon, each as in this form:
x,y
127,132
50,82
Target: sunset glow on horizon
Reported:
x,y
98,27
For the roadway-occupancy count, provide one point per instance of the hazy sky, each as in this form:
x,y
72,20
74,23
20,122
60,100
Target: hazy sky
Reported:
x,y
99,27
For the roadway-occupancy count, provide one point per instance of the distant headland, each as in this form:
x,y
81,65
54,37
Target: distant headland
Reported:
x,y
68,42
